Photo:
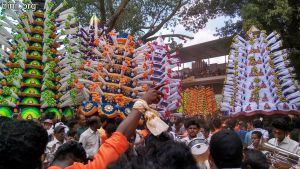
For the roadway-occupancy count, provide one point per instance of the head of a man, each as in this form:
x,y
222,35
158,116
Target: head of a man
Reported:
x,y
192,127
231,123
82,120
94,123
47,124
51,115
256,138
178,124
240,125
226,150
205,130
257,123
59,133
69,153
280,128
22,143
254,159
216,123
249,125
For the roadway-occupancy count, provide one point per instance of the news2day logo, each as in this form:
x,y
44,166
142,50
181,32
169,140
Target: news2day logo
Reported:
x,y
16,6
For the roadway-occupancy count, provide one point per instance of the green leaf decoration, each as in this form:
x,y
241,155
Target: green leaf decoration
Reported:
x,y
73,94
50,5
48,83
50,73
6,91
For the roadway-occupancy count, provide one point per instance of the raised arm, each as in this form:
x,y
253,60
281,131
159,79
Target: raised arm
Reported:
x,y
128,126
117,144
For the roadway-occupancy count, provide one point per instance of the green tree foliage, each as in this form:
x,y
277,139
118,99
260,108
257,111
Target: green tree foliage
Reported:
x,y
141,18
282,16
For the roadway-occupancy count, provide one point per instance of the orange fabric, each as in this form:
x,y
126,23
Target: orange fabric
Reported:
x,y
144,133
54,167
109,151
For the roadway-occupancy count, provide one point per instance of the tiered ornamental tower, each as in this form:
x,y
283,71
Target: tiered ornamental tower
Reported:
x,y
103,82
160,62
259,77
29,71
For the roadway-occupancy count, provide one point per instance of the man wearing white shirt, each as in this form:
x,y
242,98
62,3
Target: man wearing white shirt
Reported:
x,y
52,146
90,138
281,140
193,129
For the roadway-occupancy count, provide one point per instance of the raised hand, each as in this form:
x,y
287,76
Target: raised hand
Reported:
x,y
153,95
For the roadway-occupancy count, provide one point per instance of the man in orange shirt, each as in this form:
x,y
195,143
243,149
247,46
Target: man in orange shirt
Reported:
x,y
117,144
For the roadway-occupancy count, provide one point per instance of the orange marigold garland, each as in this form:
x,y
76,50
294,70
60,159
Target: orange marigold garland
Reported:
x,y
198,101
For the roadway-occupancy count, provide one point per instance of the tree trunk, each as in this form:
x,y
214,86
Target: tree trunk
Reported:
x,y
102,11
113,19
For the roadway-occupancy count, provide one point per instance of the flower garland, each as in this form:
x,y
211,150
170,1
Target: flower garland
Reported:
x,y
198,101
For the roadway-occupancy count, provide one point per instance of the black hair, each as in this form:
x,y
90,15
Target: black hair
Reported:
x,y
242,124
118,121
22,144
121,163
110,128
226,149
281,123
171,155
191,122
50,115
103,118
216,123
92,120
231,123
4,119
258,133
206,128
71,133
70,148
178,121
160,153
254,159
72,123
296,123
63,119
257,123
111,125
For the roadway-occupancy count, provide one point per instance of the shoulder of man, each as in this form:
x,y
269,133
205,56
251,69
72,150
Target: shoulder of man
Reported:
x,y
272,141
86,132
185,139
51,143
294,142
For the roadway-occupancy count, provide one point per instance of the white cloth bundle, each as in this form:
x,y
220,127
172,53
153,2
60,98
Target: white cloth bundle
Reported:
x,y
155,125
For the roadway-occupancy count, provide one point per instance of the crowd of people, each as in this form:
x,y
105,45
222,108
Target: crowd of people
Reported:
x,y
98,142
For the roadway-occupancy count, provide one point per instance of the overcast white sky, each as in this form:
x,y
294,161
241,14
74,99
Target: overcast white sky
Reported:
x,y
201,36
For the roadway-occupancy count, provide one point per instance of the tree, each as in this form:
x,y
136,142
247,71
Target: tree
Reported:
x,y
140,18
282,16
